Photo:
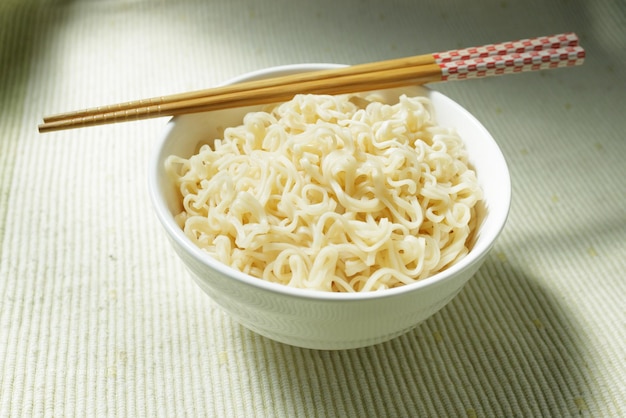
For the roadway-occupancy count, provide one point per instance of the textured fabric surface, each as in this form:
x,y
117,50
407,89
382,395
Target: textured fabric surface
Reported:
x,y
98,316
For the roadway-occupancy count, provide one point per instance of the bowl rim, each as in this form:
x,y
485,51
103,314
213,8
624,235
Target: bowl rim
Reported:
x,y
480,249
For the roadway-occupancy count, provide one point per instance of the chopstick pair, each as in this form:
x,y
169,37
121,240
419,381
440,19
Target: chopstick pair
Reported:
x,y
495,59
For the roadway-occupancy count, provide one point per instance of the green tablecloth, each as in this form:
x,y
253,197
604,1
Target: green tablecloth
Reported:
x,y
99,317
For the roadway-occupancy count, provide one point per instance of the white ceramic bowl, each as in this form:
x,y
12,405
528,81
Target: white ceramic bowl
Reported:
x,y
325,320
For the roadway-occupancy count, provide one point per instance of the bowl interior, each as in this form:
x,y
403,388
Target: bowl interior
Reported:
x,y
184,134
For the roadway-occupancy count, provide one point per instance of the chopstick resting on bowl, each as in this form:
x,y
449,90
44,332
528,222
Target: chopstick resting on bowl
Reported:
x,y
489,60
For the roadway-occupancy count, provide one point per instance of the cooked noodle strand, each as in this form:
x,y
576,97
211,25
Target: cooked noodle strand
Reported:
x,y
324,193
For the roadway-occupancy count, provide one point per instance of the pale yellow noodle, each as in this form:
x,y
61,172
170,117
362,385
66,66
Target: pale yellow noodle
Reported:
x,y
320,193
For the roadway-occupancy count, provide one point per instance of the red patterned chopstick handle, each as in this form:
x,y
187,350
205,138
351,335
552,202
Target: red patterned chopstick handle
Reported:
x,y
513,63
506,48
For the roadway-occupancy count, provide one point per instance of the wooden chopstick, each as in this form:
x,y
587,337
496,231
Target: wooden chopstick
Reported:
x,y
252,85
529,54
244,97
526,45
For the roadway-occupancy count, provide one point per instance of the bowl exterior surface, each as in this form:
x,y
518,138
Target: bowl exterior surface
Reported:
x,y
320,320
319,323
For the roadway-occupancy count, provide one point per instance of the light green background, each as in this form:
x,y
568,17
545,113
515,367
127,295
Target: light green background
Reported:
x,y
99,317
